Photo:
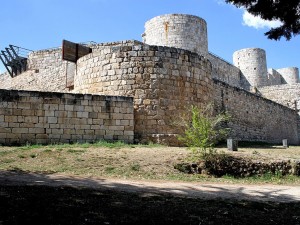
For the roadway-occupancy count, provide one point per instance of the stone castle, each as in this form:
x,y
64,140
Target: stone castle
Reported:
x,y
133,91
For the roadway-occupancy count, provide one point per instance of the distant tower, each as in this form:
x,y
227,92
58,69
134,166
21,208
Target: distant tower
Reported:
x,y
179,31
253,64
289,74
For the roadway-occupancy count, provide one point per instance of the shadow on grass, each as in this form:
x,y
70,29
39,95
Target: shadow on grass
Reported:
x,y
38,198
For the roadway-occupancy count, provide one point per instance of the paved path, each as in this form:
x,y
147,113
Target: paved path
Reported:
x,y
274,193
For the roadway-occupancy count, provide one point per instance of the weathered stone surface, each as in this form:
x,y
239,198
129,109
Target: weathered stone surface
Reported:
x,y
52,126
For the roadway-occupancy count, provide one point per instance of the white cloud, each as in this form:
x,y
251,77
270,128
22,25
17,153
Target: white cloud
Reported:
x,y
220,2
257,22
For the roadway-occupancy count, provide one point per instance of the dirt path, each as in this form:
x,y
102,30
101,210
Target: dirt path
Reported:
x,y
273,193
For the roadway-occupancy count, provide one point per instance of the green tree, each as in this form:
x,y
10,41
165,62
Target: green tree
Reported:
x,y
203,130
287,11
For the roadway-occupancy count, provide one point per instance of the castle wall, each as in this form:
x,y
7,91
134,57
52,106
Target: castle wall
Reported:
x,y
289,74
162,80
45,117
179,31
46,72
287,95
274,78
224,71
255,118
253,64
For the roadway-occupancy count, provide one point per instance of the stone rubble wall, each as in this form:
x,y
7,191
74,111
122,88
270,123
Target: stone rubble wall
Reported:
x,y
162,80
49,117
255,118
239,167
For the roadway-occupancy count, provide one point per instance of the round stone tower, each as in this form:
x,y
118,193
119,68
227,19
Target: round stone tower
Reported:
x,y
289,74
253,64
177,30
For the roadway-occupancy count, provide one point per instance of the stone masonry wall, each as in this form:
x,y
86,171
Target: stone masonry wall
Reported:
x,y
42,118
46,72
177,30
274,78
162,80
255,118
224,71
253,64
289,74
287,95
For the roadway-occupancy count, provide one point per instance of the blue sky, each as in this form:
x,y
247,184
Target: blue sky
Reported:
x,y
41,24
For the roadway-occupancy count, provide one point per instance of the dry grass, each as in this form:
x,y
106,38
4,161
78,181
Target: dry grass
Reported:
x,y
276,153
127,161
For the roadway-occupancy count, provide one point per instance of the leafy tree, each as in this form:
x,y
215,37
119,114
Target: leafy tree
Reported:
x,y
203,130
287,11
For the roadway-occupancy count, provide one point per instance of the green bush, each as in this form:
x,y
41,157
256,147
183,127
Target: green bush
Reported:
x,y
203,130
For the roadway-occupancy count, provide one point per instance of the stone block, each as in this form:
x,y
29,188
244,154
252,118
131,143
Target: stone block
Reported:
x,y
88,137
36,130
11,125
54,126
19,130
83,127
27,112
28,137
57,131
52,119
11,119
41,136
26,125
60,114
2,136
232,144
69,108
24,105
82,115
285,143
30,119
128,132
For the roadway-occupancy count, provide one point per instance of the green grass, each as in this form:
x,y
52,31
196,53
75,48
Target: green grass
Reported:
x,y
135,167
29,147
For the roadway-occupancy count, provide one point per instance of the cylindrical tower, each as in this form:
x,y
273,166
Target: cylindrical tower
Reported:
x,y
253,64
289,74
179,31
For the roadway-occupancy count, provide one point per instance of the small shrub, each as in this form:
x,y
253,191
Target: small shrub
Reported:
x,y
110,169
33,155
135,167
203,130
